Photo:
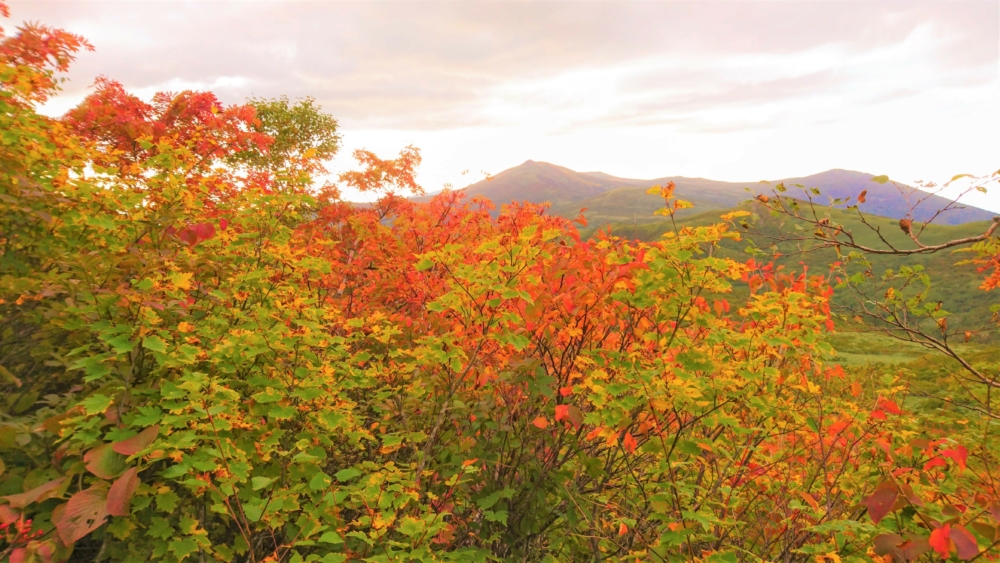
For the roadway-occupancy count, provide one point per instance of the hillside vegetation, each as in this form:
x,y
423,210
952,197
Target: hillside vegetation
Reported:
x,y
956,286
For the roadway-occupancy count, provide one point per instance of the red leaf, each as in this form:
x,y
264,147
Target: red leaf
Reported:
x,y
44,552
629,443
562,412
137,443
936,462
914,547
940,541
204,231
959,455
889,406
39,493
104,462
84,513
121,493
8,515
879,414
223,224
880,502
19,555
887,543
995,511
188,235
965,543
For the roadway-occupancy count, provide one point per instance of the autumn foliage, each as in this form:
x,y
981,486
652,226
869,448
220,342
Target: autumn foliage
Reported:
x,y
207,357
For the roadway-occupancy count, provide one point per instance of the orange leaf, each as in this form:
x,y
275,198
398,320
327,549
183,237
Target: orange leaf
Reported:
x,y
809,499
959,455
622,529
562,412
940,541
540,422
629,443
889,406
855,389
936,462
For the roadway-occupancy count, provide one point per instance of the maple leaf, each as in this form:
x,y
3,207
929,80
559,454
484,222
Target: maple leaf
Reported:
x,y
959,454
629,443
889,405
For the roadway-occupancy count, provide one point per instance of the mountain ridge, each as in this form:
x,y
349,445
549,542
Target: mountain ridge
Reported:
x,y
611,198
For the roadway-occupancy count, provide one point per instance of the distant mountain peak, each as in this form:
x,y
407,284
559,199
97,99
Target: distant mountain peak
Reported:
x,y
610,197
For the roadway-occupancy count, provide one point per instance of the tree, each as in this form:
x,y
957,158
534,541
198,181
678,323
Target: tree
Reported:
x,y
300,133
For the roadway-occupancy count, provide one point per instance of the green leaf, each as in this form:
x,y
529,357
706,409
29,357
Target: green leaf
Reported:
x,y
154,343
261,482
320,481
104,462
268,396
496,516
121,344
345,475
880,179
183,547
253,512
95,404
166,501
411,526
331,537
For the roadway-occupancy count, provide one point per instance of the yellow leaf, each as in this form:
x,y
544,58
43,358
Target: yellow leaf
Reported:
x,y
654,190
185,327
734,215
181,280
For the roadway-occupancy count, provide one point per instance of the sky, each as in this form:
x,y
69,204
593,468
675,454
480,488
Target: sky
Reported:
x,y
734,90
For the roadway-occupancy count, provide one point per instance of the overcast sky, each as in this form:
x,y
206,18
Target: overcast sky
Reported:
x,y
735,90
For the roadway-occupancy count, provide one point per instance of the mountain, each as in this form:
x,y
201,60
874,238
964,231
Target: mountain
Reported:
x,y
886,200
611,199
541,181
